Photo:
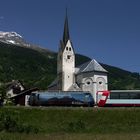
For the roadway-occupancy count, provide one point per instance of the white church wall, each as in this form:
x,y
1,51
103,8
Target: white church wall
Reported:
x,y
101,81
68,67
92,82
86,82
68,80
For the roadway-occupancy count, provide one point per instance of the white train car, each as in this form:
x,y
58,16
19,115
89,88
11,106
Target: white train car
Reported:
x,y
118,98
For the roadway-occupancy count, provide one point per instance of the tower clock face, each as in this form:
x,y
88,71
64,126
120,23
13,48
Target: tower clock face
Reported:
x,y
68,57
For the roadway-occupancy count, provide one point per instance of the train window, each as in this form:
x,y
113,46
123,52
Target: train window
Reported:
x,y
134,95
138,96
114,96
124,96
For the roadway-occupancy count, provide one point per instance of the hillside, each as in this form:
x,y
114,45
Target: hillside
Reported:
x,y
122,79
33,68
38,68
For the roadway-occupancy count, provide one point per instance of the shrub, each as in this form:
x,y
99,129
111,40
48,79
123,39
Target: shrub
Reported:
x,y
79,125
10,122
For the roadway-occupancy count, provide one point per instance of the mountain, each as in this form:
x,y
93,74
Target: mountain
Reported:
x,y
36,67
17,40
13,38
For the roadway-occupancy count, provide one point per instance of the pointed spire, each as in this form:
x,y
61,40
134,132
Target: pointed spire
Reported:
x,y
66,35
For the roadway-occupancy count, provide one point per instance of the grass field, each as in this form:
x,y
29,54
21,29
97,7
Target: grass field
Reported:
x,y
7,136
19,123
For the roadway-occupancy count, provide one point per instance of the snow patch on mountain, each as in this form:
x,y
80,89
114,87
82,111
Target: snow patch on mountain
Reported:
x,y
9,34
16,39
13,38
11,41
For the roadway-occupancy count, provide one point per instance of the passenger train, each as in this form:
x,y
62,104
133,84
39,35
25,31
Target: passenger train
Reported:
x,y
113,98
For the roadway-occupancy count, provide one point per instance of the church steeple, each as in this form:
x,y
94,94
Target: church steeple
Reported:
x,y
66,35
65,60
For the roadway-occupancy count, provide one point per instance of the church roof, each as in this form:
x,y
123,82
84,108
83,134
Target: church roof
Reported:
x,y
89,66
74,87
66,35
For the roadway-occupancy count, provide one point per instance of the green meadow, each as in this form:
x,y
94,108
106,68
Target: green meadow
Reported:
x,y
53,123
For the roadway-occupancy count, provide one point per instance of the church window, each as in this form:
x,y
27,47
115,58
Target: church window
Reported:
x,y
100,82
68,56
88,82
67,48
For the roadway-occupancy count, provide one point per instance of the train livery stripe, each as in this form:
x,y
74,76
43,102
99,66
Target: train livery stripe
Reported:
x,y
102,98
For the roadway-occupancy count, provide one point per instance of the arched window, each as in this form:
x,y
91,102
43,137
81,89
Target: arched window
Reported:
x,y
88,81
101,84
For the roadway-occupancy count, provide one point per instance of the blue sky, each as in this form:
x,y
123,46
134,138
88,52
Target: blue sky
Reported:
x,y
107,30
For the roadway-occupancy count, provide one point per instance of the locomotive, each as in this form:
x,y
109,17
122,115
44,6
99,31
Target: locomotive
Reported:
x,y
61,98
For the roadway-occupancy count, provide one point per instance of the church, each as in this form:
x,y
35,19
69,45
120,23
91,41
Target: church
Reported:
x,y
90,76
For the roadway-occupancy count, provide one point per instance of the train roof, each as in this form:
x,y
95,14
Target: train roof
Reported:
x,y
61,92
125,91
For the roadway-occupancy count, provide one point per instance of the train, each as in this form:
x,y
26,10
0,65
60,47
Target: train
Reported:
x,y
113,98
61,98
118,98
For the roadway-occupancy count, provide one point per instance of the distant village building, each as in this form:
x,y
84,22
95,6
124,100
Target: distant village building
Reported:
x,y
17,92
14,88
90,76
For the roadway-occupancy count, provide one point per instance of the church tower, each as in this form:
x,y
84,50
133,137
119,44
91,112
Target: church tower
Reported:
x,y
65,60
